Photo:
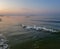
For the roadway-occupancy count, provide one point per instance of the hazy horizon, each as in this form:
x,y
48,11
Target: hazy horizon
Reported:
x,y
30,7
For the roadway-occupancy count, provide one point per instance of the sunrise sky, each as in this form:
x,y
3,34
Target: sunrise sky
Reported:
x,y
26,7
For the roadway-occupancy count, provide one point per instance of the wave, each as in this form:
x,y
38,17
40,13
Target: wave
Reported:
x,y
37,28
50,21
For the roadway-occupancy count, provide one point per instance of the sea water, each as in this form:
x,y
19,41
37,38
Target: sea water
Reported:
x,y
10,26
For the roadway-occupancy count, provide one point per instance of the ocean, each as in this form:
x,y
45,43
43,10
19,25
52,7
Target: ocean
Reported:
x,y
10,27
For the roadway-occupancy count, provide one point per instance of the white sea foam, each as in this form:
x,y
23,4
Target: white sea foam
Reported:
x,y
38,28
3,42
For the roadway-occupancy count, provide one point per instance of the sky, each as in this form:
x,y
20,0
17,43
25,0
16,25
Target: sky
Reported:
x,y
29,7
